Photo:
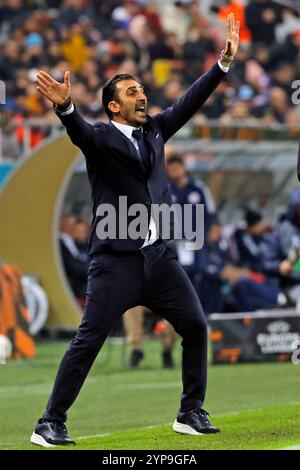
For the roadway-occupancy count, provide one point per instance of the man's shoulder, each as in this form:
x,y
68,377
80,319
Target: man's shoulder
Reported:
x,y
152,122
197,183
197,186
102,129
101,125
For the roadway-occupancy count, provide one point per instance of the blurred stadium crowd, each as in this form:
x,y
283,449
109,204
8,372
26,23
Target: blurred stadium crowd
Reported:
x,y
165,44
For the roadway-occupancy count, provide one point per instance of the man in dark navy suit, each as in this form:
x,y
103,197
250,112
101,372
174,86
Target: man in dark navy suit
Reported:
x,y
125,157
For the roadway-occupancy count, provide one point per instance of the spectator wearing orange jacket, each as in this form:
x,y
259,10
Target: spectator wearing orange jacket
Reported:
x,y
239,12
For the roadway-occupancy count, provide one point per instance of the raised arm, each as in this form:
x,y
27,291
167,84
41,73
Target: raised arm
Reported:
x,y
81,132
174,117
298,164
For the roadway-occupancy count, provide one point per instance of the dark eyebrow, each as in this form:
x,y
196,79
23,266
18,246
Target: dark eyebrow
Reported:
x,y
134,87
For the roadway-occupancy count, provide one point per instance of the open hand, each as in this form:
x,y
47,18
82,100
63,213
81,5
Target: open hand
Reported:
x,y
233,36
53,90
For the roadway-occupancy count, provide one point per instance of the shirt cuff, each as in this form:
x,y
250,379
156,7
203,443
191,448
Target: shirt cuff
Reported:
x,y
224,69
68,111
64,109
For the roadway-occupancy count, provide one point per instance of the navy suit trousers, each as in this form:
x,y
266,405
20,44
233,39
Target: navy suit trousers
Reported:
x,y
116,282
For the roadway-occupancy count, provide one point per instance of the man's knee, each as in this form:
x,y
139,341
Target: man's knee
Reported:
x,y
194,324
199,323
89,341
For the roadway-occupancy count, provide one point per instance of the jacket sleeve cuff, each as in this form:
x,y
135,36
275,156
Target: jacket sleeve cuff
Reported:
x,y
224,69
64,109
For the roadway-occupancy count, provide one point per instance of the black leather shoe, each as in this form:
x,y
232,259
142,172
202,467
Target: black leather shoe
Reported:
x,y
194,422
50,434
136,357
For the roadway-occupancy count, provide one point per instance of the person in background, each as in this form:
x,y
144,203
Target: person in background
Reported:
x,y
11,149
133,320
238,8
258,250
289,228
217,271
74,262
81,234
134,327
288,232
186,190
262,17
220,277
247,280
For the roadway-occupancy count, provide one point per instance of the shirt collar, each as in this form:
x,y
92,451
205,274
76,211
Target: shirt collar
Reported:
x,y
125,128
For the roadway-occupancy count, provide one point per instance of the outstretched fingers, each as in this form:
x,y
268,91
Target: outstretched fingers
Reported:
x,y
46,77
229,25
42,91
45,83
232,25
67,77
40,80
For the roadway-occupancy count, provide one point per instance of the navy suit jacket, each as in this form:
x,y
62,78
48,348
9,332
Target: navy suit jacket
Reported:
x,y
113,165
298,164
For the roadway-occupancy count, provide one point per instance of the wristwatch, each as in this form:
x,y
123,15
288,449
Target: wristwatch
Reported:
x,y
226,58
62,108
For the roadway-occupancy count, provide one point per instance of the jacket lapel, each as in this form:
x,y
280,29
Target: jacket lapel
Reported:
x,y
127,148
298,164
149,136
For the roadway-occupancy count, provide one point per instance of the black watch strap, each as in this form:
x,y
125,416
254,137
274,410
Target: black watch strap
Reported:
x,y
62,108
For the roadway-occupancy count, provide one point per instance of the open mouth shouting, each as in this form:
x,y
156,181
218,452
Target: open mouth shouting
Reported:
x,y
141,109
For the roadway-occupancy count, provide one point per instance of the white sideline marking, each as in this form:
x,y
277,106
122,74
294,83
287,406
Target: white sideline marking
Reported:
x,y
291,448
45,387
39,388
149,385
232,413
153,426
295,447
94,435
122,432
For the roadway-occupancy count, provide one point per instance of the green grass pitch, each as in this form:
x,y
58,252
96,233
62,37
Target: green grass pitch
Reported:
x,y
257,406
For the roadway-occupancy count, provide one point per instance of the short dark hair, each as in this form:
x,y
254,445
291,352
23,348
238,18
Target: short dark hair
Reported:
x,y
252,216
109,91
175,159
